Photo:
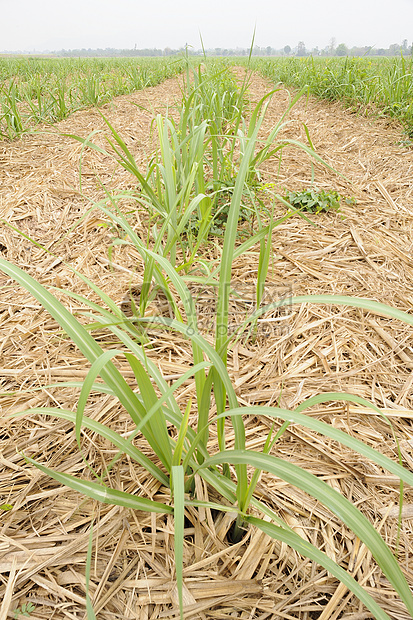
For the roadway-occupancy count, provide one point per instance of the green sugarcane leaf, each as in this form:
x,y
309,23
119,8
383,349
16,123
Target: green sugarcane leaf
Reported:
x,y
308,550
103,494
338,505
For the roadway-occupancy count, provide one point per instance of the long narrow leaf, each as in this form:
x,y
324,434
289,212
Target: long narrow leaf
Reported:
x,y
103,494
328,496
87,386
308,550
78,334
156,422
122,444
329,431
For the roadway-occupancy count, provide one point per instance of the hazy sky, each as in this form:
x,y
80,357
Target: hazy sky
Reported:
x,y
52,24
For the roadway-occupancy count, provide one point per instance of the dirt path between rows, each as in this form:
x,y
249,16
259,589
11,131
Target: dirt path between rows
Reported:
x,y
298,353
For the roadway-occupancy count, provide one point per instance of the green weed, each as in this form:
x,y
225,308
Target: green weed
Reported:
x,y
25,610
316,201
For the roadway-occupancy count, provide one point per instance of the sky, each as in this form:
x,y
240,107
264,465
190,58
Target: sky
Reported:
x,y
39,25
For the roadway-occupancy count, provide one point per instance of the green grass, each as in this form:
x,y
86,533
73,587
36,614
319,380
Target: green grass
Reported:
x,y
188,149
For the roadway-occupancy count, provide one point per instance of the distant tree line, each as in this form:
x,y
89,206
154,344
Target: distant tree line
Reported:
x,y
395,49
332,49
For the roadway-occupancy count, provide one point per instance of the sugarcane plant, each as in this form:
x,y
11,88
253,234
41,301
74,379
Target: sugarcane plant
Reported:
x,y
179,457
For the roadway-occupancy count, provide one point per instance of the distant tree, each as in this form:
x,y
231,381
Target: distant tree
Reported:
x,y
394,49
287,50
332,46
269,51
406,48
341,50
301,51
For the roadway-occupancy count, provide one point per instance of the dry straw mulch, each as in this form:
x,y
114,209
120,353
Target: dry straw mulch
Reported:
x,y
299,352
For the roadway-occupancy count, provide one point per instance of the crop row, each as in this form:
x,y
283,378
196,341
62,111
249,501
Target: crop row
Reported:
x,y
208,161
382,86
48,90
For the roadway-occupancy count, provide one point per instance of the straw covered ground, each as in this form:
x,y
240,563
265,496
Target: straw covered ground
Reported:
x,y
299,351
